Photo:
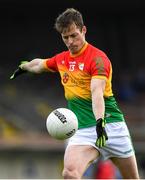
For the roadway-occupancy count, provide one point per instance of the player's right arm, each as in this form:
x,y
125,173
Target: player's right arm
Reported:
x,y
35,66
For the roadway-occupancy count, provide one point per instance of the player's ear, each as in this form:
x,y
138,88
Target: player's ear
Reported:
x,y
84,30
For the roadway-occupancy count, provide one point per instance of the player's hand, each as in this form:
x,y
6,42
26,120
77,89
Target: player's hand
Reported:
x,y
101,133
18,71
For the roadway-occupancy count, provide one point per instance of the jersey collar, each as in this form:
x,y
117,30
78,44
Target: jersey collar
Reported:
x,y
81,51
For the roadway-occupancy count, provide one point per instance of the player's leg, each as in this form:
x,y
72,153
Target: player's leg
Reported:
x,y
127,166
76,159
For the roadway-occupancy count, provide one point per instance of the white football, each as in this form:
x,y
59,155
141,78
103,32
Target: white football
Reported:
x,y
62,123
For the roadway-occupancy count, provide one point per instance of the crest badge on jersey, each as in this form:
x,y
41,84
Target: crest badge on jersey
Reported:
x,y
81,66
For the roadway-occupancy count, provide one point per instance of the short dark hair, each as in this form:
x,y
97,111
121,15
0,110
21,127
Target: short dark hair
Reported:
x,y
68,17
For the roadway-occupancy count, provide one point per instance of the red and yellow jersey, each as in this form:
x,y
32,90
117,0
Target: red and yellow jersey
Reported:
x,y
76,72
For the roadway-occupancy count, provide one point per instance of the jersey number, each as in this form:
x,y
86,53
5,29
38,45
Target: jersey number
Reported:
x,y
71,67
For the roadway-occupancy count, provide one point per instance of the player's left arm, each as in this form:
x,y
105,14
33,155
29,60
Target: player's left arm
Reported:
x,y
97,91
98,105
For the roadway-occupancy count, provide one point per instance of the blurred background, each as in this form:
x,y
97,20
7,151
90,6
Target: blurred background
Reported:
x,y
26,32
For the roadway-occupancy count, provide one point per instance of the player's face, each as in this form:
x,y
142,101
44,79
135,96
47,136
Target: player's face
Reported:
x,y
74,38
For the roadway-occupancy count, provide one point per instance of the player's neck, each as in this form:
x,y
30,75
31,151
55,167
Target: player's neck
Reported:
x,y
80,51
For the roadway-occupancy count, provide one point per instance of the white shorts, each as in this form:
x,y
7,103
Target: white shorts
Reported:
x,y
119,143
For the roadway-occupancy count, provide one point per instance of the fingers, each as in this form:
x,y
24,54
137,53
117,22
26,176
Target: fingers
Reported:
x,y
16,73
101,141
22,63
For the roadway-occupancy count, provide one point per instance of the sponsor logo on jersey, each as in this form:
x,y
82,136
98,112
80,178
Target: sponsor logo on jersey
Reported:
x,y
65,77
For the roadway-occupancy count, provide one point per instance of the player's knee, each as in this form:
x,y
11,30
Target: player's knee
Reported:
x,y
70,173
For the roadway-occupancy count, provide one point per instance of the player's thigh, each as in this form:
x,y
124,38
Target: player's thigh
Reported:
x,y
78,157
127,166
